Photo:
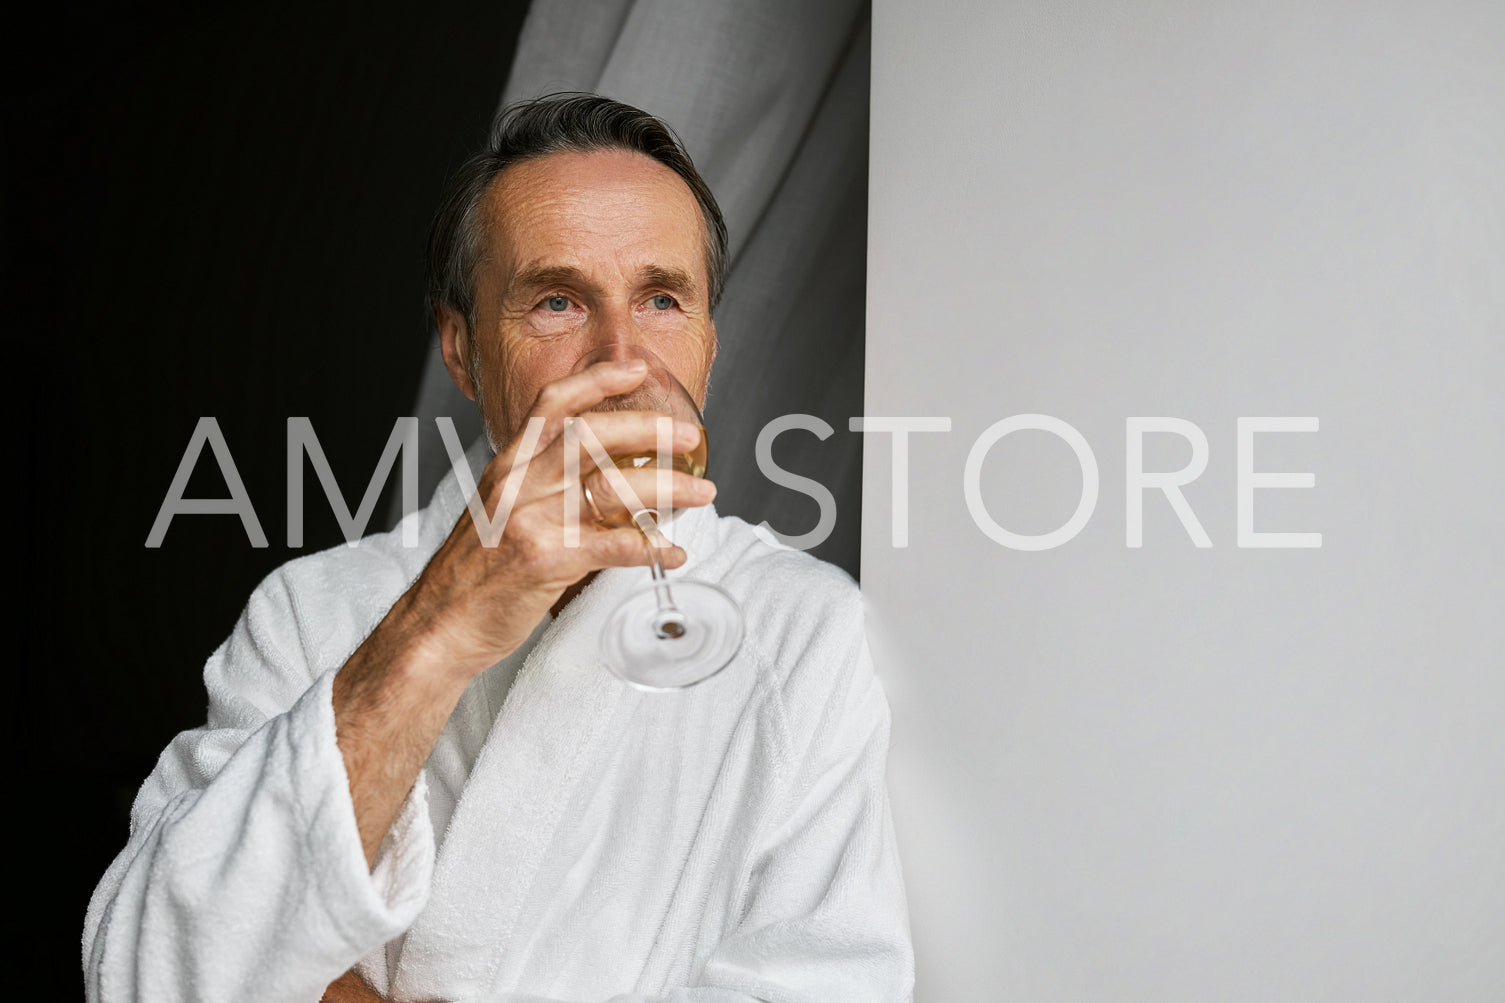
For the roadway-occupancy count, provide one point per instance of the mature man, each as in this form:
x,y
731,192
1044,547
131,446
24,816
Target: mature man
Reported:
x,y
418,781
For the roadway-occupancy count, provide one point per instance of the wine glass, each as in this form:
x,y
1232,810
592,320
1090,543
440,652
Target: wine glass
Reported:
x,y
664,635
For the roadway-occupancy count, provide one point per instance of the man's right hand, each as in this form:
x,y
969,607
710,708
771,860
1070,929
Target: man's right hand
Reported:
x,y
473,605
483,602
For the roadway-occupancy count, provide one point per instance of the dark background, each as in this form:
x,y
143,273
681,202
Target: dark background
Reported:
x,y
218,212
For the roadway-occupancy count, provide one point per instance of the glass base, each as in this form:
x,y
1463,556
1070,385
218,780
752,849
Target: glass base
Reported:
x,y
656,646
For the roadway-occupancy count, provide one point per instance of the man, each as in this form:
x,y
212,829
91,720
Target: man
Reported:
x,y
415,766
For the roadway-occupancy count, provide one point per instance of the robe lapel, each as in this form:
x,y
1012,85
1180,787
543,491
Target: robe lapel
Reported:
x,y
561,706
505,820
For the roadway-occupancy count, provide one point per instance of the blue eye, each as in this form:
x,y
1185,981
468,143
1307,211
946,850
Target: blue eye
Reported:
x,y
558,303
662,302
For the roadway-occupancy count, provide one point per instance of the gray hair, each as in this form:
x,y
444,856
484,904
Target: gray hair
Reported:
x,y
555,123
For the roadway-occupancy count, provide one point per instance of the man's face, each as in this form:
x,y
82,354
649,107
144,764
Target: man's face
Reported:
x,y
581,250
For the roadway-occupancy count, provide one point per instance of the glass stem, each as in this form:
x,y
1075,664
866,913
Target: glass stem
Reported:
x,y
668,621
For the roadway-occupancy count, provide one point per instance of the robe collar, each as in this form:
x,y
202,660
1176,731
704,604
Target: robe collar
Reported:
x,y
563,702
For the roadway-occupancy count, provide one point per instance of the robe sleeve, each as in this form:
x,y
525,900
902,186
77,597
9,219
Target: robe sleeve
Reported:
x,y
243,877
824,917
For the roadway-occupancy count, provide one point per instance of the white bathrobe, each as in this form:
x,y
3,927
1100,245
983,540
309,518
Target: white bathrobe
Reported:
x,y
730,842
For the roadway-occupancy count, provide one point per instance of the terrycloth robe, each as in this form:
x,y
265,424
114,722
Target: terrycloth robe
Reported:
x,y
729,842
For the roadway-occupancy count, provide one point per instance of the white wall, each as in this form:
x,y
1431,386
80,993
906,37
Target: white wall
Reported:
x,y
1173,773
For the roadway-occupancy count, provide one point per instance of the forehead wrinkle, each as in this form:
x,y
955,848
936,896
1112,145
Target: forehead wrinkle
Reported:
x,y
555,205
528,193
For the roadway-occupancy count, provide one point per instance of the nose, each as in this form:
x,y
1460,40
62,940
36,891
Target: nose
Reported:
x,y
612,333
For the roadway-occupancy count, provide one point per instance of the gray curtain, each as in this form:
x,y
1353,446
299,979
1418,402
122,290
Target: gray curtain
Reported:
x,y
771,100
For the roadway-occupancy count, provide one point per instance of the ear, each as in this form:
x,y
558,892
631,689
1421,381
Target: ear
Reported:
x,y
454,345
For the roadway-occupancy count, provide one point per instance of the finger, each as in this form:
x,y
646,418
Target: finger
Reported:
x,y
632,431
609,434
646,489
625,548
549,467
584,390
555,404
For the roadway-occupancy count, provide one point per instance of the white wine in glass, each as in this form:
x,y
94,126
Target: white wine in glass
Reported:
x,y
692,462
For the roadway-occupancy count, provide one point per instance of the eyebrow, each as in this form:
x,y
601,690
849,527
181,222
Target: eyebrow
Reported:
x,y
675,280
529,280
